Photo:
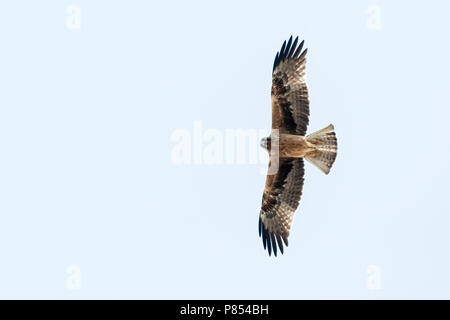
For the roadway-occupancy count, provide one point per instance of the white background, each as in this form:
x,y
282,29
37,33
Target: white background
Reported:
x,y
87,183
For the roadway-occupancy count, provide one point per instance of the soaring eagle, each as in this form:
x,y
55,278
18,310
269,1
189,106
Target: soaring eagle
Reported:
x,y
288,145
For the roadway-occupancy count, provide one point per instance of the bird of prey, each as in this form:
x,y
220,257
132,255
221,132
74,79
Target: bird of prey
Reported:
x,y
288,145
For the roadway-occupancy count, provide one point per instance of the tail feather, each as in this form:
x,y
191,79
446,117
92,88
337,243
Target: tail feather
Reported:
x,y
326,144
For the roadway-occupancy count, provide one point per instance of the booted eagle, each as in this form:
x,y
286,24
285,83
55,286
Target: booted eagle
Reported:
x,y
288,145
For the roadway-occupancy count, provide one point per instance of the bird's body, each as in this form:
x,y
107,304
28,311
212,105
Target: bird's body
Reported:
x,y
288,145
294,146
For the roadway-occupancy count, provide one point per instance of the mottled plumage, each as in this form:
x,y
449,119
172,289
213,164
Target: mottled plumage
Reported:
x,y
288,145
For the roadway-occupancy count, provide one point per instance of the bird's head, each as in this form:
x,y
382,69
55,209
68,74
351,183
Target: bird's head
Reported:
x,y
265,143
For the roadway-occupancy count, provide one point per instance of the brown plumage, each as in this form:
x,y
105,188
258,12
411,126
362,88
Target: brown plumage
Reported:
x,y
288,145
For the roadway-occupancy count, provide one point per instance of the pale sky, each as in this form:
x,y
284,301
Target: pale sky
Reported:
x,y
92,204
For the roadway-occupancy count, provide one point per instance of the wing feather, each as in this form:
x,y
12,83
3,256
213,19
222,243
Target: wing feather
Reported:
x,y
280,201
290,114
290,97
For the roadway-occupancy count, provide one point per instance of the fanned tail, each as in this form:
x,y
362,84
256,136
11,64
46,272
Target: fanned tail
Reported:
x,y
326,143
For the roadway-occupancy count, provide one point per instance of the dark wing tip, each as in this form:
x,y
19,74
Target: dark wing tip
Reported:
x,y
289,50
269,245
276,62
285,240
274,244
303,54
260,226
294,45
299,49
280,243
271,240
264,238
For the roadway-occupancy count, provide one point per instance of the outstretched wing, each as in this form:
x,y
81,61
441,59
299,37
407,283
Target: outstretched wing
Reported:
x,y
280,200
290,100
